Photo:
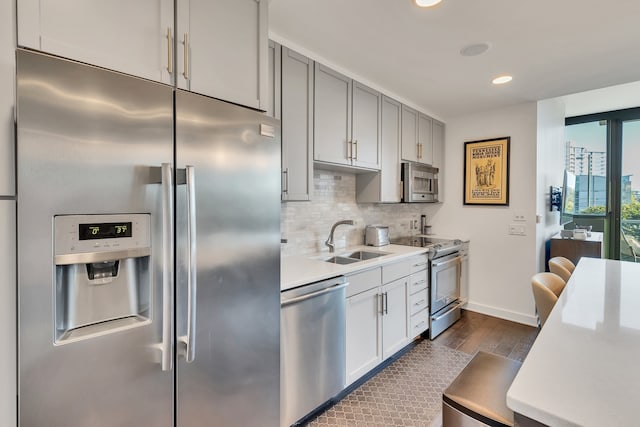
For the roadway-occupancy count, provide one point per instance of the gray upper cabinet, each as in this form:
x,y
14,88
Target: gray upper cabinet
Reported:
x,y
7,84
384,186
417,142
222,49
133,37
219,48
347,121
274,74
438,145
425,142
332,113
297,126
409,134
365,126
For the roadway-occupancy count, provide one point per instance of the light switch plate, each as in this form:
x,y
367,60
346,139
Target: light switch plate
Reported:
x,y
518,229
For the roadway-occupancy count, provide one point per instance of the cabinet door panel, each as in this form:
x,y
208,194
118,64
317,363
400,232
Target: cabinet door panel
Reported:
x,y
424,139
227,49
364,345
297,125
127,36
7,87
390,162
409,134
274,79
365,131
332,116
438,147
395,333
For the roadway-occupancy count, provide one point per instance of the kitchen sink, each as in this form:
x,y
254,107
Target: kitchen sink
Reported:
x,y
351,257
364,255
341,260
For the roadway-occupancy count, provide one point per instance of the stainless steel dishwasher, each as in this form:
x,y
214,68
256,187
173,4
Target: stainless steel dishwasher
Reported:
x,y
312,345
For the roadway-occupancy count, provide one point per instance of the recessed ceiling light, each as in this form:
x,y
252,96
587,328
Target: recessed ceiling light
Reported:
x,y
427,3
502,80
474,49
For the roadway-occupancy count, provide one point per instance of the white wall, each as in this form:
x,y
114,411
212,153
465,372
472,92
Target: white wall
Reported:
x,y
551,161
500,265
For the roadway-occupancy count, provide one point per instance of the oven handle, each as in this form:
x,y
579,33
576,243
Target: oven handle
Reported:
x,y
455,307
455,260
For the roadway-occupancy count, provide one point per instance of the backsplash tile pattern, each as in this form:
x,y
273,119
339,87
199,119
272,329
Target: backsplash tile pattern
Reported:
x,y
306,225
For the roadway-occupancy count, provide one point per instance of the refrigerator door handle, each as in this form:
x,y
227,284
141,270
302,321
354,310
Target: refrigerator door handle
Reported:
x,y
167,267
192,262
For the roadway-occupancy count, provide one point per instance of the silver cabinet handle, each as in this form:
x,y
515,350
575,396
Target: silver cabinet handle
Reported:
x,y
285,180
419,150
420,324
169,51
355,143
167,267
420,264
385,303
419,303
192,262
186,56
419,282
350,150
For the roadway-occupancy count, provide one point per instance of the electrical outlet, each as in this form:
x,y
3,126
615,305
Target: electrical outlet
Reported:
x,y
517,229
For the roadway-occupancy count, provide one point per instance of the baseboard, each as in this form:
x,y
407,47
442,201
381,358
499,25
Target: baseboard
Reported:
x,y
513,316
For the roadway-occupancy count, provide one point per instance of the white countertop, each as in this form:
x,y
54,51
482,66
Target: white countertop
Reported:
x,y
584,367
299,270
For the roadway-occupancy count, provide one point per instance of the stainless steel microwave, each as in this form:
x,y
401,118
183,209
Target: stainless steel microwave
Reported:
x,y
420,183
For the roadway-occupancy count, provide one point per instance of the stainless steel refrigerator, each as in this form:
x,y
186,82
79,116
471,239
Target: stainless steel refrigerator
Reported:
x,y
148,253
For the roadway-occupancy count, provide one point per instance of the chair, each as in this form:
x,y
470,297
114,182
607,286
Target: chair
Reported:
x,y
547,287
562,266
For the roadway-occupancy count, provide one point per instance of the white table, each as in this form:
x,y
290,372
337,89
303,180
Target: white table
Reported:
x,y
584,368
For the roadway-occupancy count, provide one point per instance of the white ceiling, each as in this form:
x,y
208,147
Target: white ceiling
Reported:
x,y
551,47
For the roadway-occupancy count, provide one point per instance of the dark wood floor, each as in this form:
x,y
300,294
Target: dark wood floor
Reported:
x,y
475,331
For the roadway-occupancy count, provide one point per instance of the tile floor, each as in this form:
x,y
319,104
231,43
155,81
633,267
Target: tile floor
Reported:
x,y
408,392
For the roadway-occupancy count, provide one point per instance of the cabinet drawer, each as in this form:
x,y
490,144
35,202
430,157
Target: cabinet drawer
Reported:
x,y
363,281
418,301
403,268
419,323
418,282
419,263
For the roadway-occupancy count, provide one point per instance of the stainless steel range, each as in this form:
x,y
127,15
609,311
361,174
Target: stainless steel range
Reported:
x,y
445,269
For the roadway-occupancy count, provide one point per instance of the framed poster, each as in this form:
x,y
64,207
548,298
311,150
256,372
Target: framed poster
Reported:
x,y
486,172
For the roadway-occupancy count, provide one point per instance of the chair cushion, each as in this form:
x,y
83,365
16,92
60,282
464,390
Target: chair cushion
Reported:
x,y
480,391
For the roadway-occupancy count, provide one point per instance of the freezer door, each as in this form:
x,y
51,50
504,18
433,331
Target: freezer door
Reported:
x,y
228,264
89,142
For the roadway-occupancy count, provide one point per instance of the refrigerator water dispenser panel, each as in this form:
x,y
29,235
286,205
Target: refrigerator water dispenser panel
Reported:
x,y
102,279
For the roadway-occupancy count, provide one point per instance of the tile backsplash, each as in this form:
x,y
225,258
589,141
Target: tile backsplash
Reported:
x,y
306,225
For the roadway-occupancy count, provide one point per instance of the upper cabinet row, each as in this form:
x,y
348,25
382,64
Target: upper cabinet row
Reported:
x,y
218,48
347,121
334,121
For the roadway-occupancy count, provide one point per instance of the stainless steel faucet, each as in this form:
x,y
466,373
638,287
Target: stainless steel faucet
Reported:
x,y
329,241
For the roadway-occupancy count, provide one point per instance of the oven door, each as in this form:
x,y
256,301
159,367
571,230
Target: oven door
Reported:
x,y
445,281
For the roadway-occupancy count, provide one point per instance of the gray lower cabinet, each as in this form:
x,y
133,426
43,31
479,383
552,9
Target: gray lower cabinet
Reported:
x,y
297,126
8,413
377,315
346,121
384,186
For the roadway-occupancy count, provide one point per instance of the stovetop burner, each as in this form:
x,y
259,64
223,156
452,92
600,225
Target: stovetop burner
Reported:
x,y
437,247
